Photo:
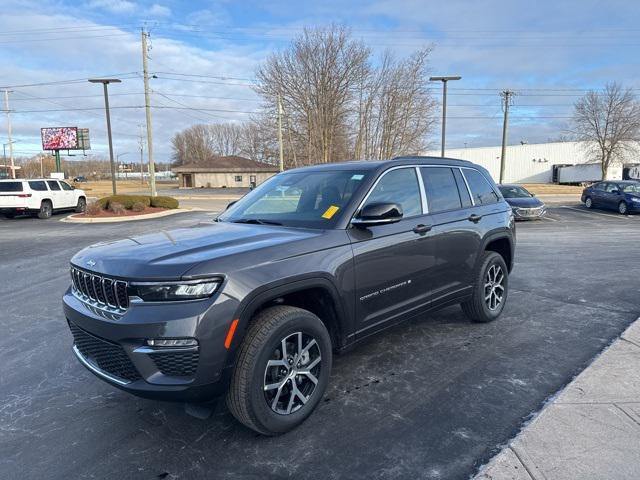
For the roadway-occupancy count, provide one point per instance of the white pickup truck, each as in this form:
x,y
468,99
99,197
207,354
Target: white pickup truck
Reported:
x,y
39,196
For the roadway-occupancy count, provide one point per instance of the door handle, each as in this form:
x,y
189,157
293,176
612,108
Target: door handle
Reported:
x,y
474,218
422,228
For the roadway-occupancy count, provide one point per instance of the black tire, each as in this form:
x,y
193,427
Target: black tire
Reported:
x,y
10,215
623,208
588,202
82,205
46,210
247,395
477,308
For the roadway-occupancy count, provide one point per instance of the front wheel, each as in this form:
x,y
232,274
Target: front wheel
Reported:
x,y
588,202
623,208
82,205
490,289
282,370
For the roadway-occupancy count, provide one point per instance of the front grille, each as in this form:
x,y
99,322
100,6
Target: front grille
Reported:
x,y
100,291
108,357
176,364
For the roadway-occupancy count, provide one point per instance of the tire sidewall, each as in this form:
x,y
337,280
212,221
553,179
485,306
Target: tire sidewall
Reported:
x,y
620,207
82,205
588,202
46,210
264,416
490,260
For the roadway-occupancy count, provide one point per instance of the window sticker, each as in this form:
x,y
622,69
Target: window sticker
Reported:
x,y
330,212
357,177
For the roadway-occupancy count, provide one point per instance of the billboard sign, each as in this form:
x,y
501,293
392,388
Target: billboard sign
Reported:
x,y
83,139
59,138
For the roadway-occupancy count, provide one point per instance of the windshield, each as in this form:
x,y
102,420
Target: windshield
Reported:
x,y
631,188
299,199
512,191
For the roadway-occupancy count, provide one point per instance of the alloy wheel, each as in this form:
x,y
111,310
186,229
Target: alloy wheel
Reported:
x,y
622,208
292,372
494,287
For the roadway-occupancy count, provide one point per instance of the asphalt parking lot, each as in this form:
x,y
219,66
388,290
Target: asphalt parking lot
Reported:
x,y
433,398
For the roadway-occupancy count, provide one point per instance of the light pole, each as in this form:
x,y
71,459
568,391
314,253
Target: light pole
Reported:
x,y
118,162
105,82
444,81
4,155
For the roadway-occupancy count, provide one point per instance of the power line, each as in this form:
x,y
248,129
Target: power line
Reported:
x,y
71,81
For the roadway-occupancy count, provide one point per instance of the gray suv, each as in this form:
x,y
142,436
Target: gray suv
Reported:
x,y
314,260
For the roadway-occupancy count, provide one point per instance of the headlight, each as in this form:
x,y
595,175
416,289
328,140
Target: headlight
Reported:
x,y
635,199
172,291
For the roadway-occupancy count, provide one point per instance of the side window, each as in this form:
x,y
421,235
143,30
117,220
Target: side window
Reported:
x,y
399,186
65,186
462,188
441,188
481,189
599,186
611,187
38,186
53,185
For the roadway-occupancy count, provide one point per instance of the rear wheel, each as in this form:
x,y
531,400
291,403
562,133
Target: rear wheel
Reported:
x,y
490,289
82,205
10,215
588,202
282,370
623,208
46,210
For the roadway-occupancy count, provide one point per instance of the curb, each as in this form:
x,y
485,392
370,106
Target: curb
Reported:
x,y
74,219
511,463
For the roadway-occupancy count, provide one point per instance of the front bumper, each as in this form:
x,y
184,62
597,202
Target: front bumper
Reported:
x,y
114,347
529,213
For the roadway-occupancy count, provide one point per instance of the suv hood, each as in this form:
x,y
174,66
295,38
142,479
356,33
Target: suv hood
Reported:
x,y
170,254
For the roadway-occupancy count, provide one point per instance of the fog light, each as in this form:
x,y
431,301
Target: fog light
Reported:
x,y
172,342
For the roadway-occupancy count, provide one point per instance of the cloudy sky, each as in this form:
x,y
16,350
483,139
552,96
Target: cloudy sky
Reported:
x,y
204,55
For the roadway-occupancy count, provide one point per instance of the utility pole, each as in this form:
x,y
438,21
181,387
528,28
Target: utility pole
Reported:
x,y
6,109
444,81
141,144
105,82
506,96
147,108
280,133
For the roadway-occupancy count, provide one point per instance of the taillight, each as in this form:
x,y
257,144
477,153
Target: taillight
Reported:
x,y
24,195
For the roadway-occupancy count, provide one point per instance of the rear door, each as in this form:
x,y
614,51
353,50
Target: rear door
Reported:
x,y
598,194
456,237
55,193
611,195
393,263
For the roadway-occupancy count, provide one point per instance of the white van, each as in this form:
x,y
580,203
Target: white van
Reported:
x,y
39,196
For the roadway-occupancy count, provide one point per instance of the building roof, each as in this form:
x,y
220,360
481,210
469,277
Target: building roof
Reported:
x,y
232,163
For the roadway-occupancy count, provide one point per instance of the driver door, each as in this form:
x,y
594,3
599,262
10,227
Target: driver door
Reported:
x,y
393,263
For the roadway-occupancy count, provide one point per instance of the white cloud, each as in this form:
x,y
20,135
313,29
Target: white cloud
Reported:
x,y
158,10
114,6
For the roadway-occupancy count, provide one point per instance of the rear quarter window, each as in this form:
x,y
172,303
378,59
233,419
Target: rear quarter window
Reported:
x,y
38,186
10,186
481,189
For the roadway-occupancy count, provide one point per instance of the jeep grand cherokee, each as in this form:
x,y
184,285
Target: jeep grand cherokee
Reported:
x,y
253,305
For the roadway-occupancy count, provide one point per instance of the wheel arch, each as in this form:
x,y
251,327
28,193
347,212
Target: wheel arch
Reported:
x,y
501,243
316,294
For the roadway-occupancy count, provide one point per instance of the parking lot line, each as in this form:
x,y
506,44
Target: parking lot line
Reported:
x,y
589,212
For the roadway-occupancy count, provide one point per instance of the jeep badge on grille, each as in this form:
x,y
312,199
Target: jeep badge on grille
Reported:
x,y
91,263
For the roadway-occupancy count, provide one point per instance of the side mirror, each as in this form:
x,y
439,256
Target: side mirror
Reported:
x,y
231,204
378,213
615,192
532,194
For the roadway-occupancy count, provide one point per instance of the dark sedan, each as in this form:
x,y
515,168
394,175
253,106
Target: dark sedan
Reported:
x,y
524,204
620,195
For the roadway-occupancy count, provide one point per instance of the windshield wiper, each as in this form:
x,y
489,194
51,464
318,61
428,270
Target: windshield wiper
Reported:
x,y
257,221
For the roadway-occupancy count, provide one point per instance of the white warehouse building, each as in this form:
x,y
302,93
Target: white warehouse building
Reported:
x,y
528,163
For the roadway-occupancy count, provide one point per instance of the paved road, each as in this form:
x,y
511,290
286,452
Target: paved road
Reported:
x,y
433,398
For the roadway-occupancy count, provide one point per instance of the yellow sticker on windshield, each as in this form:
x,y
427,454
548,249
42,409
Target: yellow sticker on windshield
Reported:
x,y
330,212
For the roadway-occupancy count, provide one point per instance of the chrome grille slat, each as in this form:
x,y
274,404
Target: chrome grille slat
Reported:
x,y
100,292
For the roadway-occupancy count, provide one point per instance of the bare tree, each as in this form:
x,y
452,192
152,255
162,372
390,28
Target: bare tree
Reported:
x,y
609,124
395,109
315,78
199,143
